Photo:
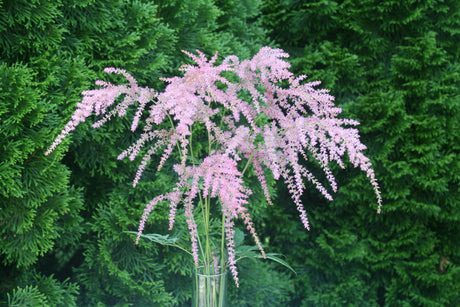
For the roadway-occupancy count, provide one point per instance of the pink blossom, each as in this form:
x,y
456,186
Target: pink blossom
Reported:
x,y
267,120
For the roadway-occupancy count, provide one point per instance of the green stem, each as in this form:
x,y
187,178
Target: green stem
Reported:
x,y
202,206
174,128
222,244
206,225
208,213
247,164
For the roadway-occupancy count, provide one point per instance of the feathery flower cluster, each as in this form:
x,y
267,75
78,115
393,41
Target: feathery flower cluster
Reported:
x,y
265,119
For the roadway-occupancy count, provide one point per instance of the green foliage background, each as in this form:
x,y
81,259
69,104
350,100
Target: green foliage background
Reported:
x,y
392,65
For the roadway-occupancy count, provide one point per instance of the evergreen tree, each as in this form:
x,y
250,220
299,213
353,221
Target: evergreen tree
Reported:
x,y
40,209
393,65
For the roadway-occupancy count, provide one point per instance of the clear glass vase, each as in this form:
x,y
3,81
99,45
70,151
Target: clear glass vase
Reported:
x,y
209,287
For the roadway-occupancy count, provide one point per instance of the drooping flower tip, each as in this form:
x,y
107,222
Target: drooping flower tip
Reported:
x,y
113,70
51,149
140,229
379,200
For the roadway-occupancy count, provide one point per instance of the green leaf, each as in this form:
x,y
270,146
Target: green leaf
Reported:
x,y
252,252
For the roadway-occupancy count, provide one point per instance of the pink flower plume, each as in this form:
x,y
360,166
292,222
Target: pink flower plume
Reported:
x,y
262,119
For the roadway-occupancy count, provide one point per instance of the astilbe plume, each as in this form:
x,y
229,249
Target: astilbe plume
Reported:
x,y
260,115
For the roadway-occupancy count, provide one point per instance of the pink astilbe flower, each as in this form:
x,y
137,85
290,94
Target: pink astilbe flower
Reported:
x,y
261,119
99,101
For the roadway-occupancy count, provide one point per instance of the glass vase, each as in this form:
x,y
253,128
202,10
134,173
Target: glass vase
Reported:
x,y
209,287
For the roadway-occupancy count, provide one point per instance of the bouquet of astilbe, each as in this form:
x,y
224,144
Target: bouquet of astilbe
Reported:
x,y
258,116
